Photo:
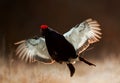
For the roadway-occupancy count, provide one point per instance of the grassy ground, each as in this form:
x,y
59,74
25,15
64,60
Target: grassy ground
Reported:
x,y
106,71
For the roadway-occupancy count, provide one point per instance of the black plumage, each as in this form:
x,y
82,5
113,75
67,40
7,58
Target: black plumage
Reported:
x,y
59,48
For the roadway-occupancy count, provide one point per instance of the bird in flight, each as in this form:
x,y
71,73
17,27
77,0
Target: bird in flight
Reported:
x,y
62,48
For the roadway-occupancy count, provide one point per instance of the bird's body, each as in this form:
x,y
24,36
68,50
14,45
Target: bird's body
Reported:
x,y
55,47
58,47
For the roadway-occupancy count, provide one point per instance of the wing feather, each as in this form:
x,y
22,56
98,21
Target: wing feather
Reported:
x,y
20,48
27,57
84,34
30,48
24,54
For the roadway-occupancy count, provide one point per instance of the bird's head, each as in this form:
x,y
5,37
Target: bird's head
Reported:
x,y
43,27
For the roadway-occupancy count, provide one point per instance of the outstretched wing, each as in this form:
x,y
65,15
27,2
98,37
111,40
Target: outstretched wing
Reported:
x,y
32,50
84,34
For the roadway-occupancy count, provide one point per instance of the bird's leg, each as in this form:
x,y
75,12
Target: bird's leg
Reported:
x,y
71,68
87,62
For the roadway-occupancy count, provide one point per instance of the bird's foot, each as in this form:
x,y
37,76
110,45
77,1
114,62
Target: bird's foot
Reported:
x,y
87,62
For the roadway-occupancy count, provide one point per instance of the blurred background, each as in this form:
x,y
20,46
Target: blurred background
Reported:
x,y
20,19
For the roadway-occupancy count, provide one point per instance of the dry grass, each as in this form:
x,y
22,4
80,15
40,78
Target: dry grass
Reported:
x,y
107,71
